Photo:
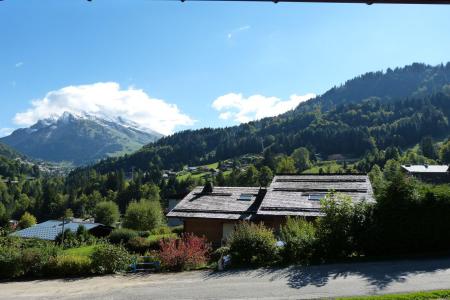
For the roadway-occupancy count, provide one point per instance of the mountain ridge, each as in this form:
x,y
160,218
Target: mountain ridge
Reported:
x,y
415,80
373,110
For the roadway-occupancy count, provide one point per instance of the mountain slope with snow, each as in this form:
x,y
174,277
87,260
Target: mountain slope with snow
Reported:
x,y
79,138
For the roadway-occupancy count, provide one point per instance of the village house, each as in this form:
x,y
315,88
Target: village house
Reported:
x,y
428,173
214,214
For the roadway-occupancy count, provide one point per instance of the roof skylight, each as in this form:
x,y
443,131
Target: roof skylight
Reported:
x,y
246,197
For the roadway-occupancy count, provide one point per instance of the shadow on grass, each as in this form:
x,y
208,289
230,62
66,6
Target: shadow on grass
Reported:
x,y
377,274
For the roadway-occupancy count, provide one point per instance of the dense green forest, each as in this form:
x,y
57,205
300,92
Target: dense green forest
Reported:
x,y
373,111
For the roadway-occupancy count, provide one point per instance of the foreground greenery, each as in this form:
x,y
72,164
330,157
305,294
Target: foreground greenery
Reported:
x,y
81,254
35,258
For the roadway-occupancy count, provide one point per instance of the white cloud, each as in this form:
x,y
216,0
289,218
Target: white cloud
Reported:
x,y
235,31
242,109
6,131
107,99
19,64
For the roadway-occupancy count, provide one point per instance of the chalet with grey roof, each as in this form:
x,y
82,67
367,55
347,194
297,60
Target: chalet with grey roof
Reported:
x,y
214,213
428,173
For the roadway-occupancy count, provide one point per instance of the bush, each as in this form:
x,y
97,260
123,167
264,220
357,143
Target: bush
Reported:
x,y
143,215
75,239
335,234
27,220
69,265
139,245
122,235
107,259
186,253
70,239
161,230
106,212
154,240
20,257
144,234
300,239
10,262
35,260
178,230
252,245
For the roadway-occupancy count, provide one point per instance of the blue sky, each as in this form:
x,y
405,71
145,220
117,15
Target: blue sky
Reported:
x,y
219,63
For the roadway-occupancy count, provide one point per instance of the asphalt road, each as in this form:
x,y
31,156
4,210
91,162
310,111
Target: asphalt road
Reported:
x,y
288,283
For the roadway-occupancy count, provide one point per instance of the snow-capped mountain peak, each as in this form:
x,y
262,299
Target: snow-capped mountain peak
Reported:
x,y
80,137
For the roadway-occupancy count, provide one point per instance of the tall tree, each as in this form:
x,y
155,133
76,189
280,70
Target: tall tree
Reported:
x,y
428,148
143,215
301,158
285,164
106,212
265,176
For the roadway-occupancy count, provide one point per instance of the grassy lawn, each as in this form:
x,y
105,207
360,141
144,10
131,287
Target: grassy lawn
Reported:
x,y
184,176
81,251
441,294
212,166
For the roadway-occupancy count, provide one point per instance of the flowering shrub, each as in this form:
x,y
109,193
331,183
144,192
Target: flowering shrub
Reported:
x,y
185,253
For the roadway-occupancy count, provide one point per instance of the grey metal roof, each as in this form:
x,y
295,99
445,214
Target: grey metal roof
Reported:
x,y
290,194
49,230
223,203
425,168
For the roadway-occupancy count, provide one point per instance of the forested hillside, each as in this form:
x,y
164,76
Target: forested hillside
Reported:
x,y
8,152
372,111
415,80
14,164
